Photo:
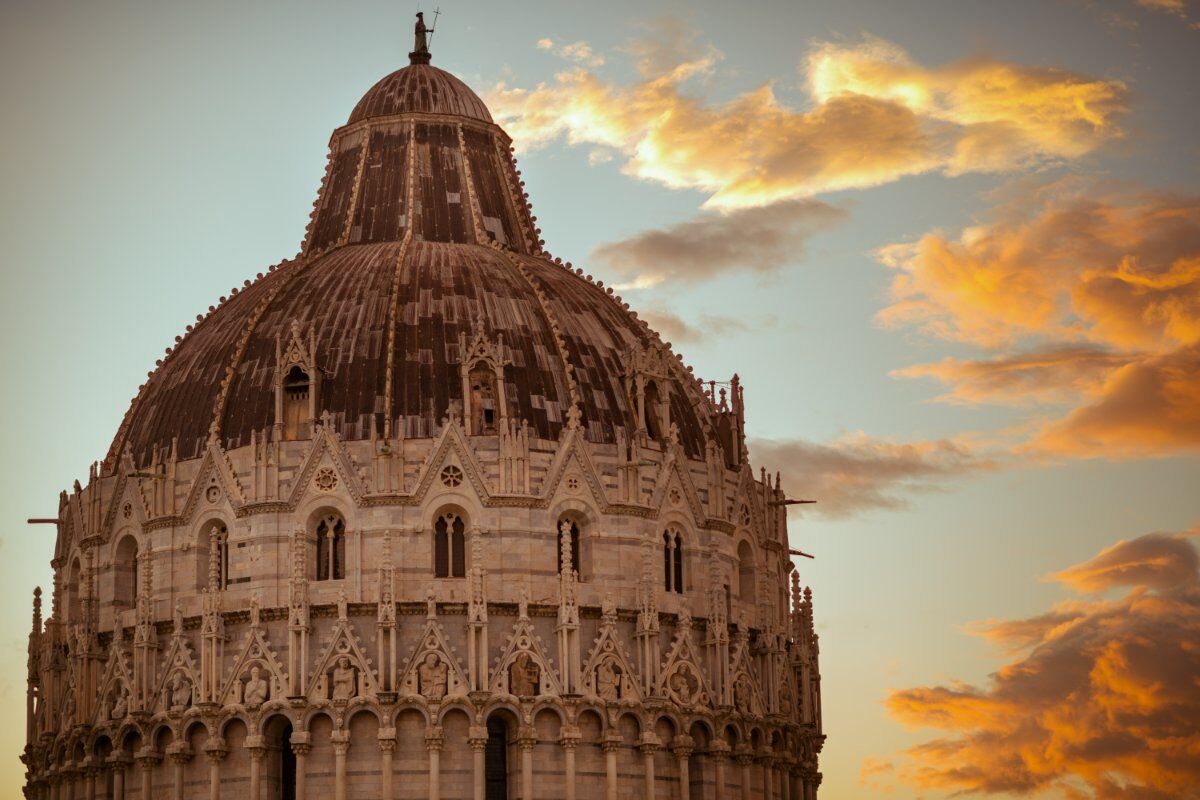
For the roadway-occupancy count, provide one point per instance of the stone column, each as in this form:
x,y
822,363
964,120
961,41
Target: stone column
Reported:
x,y
68,783
682,747
768,771
341,746
53,779
147,759
478,738
570,740
649,747
526,739
215,751
257,749
89,780
434,740
387,746
718,753
744,759
118,761
611,744
301,746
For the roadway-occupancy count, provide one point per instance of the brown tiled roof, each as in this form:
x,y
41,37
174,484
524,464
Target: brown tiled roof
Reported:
x,y
420,88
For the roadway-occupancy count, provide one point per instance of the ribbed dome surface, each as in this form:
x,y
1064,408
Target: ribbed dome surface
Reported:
x,y
423,89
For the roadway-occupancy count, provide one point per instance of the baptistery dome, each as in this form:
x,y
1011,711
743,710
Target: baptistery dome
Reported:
x,y
424,512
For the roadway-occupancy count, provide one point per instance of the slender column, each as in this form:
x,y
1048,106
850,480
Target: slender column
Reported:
x,y
718,752
570,741
257,749
89,781
148,759
477,737
744,759
526,739
682,747
54,781
648,747
118,762
215,751
768,771
341,745
301,746
433,743
68,783
611,744
387,746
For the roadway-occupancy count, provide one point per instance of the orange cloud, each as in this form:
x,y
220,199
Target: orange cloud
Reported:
x,y
875,117
1102,284
758,240
1102,701
858,473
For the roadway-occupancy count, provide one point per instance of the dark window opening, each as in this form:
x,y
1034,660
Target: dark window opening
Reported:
x,y
573,529
287,767
449,547
331,548
296,389
650,411
673,561
496,761
483,399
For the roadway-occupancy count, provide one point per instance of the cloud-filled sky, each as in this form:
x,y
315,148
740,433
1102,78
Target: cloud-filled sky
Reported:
x,y
951,248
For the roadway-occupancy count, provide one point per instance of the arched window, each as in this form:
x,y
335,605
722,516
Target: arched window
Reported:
x,y
747,585
296,389
331,548
650,411
125,572
673,560
449,547
568,527
482,380
72,591
212,556
496,760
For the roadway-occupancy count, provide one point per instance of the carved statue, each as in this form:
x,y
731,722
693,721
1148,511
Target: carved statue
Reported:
x,y
421,45
608,680
343,680
181,692
432,675
256,691
743,697
684,684
120,706
524,676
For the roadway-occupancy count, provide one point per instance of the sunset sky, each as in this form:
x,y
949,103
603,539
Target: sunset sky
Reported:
x,y
952,249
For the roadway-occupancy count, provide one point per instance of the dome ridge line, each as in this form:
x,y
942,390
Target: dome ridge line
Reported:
x,y
469,183
397,281
222,399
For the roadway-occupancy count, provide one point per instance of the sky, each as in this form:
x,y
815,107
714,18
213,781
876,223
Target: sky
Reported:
x,y
952,249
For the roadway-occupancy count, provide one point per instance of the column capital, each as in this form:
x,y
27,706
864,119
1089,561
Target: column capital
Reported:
x,y
434,737
118,759
215,750
477,736
148,757
387,740
611,741
301,748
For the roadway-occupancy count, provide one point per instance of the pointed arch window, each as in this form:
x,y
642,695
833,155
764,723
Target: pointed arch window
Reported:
x,y
331,548
673,560
449,547
125,561
482,382
651,407
747,581
212,556
568,527
297,387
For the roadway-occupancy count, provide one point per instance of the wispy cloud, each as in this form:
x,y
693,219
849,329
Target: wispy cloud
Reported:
x,y
1101,701
677,330
875,115
579,52
1082,294
758,240
859,473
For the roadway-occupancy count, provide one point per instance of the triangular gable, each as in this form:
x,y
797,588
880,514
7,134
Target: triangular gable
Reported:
x,y
433,642
682,679
572,451
126,491
116,683
744,680
672,474
215,470
179,660
256,652
326,449
748,492
608,673
343,643
451,440
524,648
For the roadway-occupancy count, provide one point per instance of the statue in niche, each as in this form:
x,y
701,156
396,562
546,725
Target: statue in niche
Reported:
x,y
68,707
343,680
120,706
608,680
181,692
432,676
684,685
256,691
524,676
743,695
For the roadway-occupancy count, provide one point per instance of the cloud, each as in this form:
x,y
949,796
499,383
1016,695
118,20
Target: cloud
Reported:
x,y
1084,294
675,329
1156,560
579,52
874,116
1101,700
760,240
858,473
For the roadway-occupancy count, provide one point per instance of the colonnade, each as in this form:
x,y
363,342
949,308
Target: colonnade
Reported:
x,y
779,778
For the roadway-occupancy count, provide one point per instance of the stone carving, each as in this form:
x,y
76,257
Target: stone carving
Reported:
x,y
256,690
524,676
343,680
120,707
743,694
684,685
179,695
432,677
608,680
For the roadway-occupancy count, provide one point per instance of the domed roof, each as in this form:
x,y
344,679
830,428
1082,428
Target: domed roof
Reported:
x,y
420,88
421,240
